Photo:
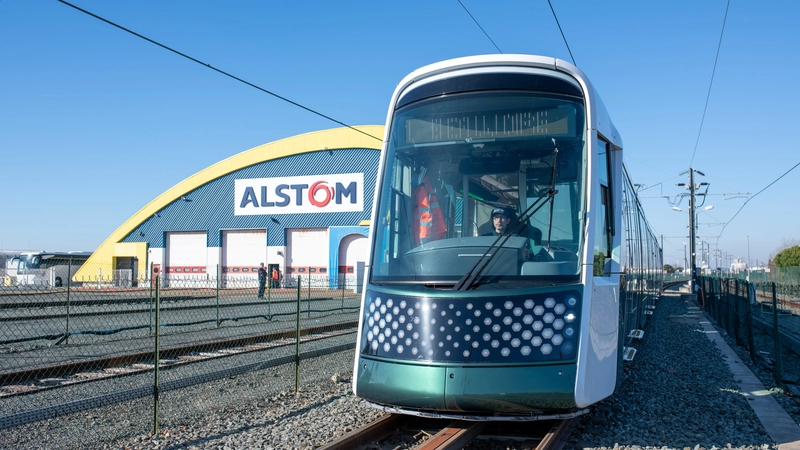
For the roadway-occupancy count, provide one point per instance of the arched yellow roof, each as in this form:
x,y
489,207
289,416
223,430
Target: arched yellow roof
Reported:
x,y
101,261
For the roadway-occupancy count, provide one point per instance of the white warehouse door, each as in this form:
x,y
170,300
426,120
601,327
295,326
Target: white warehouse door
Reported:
x,y
242,251
186,255
352,250
308,253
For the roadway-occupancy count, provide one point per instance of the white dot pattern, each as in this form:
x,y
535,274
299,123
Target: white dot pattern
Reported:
x,y
539,327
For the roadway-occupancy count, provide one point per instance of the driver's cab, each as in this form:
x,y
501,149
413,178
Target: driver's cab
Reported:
x,y
441,183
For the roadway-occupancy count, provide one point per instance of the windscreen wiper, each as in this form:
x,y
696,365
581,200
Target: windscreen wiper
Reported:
x,y
474,272
552,186
468,280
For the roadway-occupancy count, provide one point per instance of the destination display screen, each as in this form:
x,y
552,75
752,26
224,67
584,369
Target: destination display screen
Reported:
x,y
559,121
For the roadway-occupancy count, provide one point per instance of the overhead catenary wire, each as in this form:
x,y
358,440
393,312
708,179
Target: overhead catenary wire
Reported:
x,y
711,83
479,26
209,66
755,195
562,32
629,157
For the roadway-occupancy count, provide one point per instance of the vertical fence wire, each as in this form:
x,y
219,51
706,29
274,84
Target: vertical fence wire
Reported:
x,y
217,294
156,356
69,271
749,327
776,337
297,342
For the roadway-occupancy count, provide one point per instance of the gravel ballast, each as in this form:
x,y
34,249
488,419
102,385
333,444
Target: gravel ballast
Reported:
x,y
677,393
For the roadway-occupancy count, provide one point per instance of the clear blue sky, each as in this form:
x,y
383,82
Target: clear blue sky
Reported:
x,y
95,123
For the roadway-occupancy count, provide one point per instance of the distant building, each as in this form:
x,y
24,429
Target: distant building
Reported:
x,y
300,205
738,265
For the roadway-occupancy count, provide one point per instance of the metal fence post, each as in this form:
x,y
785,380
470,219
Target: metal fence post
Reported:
x,y
150,302
728,305
217,295
69,278
714,298
776,337
720,301
156,358
750,341
308,302
269,297
736,310
297,343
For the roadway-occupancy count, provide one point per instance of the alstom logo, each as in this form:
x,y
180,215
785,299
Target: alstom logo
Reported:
x,y
299,195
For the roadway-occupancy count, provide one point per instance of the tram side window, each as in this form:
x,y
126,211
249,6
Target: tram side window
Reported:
x,y
395,225
602,236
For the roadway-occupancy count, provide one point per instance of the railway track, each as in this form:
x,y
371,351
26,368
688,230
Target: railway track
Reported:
x,y
786,305
30,381
402,431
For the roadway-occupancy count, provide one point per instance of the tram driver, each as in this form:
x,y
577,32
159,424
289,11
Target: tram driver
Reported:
x,y
504,221
501,218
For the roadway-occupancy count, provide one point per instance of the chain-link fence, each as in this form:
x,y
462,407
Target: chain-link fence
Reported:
x,y
786,277
676,277
121,340
763,317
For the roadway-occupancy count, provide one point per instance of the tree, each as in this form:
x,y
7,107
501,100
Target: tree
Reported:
x,y
668,268
789,257
785,244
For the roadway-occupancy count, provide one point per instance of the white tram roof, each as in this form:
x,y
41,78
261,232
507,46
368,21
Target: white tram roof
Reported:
x,y
598,115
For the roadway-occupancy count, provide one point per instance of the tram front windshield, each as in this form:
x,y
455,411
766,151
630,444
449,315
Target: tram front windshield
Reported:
x,y
455,161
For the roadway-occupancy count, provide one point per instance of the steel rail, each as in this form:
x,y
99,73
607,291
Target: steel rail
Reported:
x,y
374,431
554,439
452,435
49,412
455,436
138,357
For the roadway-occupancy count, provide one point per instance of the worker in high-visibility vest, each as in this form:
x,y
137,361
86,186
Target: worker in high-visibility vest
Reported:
x,y
428,222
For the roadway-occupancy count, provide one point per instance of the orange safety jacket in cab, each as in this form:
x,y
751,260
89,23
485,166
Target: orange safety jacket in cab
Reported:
x,y
428,222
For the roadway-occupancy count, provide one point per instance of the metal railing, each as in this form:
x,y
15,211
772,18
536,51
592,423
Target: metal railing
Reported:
x,y
763,318
91,344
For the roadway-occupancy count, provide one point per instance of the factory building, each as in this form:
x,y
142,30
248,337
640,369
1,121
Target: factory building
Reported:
x,y
301,205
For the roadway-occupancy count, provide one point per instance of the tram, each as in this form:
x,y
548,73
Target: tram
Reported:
x,y
511,263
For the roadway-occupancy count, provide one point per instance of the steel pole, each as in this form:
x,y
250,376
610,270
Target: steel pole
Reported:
x,y
776,337
692,235
297,343
69,278
156,358
217,295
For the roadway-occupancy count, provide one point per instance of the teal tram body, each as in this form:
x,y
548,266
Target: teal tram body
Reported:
x,y
511,262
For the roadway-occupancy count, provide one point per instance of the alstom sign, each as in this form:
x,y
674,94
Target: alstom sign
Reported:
x,y
299,195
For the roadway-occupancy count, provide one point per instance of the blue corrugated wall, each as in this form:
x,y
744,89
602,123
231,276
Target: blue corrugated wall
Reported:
x,y
210,207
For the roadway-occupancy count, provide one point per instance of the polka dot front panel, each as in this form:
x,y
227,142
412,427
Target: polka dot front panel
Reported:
x,y
542,327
